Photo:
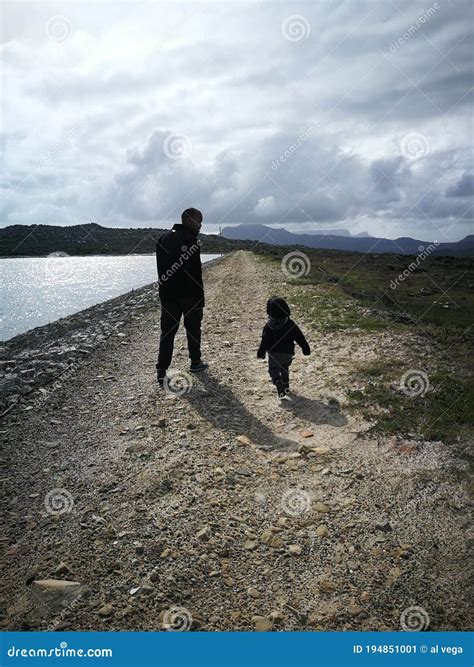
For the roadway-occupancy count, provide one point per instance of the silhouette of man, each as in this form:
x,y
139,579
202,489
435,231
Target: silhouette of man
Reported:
x,y
178,257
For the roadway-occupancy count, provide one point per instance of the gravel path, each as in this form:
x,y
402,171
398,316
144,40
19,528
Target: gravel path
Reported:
x,y
216,507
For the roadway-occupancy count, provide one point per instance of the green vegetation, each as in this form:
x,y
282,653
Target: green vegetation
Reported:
x,y
362,294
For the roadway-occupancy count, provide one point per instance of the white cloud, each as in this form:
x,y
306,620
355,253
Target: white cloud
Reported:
x,y
265,207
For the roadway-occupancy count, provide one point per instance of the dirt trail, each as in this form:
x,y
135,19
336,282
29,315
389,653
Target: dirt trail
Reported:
x,y
219,501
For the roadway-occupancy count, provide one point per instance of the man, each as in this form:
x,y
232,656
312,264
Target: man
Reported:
x,y
181,290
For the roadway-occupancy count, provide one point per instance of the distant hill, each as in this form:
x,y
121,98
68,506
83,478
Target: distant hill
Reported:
x,y
93,239
359,243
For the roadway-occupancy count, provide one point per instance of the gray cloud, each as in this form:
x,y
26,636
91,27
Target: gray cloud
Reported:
x,y
364,122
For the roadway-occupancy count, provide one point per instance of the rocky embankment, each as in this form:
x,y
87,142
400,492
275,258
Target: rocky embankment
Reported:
x,y
42,356
213,506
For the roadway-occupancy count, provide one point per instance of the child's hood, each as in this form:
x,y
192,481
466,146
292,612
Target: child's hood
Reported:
x,y
277,308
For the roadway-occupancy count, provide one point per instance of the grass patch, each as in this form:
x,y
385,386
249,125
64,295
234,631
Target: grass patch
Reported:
x,y
354,293
445,412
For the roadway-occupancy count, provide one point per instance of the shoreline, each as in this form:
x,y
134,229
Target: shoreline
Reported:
x,y
36,358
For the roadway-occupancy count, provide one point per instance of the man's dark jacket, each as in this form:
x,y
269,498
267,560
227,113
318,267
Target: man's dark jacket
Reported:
x,y
178,259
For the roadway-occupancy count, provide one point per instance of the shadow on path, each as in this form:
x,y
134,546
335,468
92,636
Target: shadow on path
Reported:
x,y
217,403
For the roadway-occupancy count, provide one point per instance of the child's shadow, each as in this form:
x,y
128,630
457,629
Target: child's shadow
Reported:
x,y
217,404
315,411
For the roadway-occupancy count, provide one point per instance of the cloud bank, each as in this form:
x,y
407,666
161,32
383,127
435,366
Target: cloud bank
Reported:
x,y
354,114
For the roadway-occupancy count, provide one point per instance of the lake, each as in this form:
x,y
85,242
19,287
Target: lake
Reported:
x,y
40,290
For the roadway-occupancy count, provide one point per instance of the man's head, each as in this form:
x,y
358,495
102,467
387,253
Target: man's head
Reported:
x,y
191,218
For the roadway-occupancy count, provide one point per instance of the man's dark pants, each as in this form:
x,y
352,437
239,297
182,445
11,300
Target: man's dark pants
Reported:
x,y
171,312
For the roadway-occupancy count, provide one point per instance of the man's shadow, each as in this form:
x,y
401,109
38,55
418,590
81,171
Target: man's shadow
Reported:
x,y
217,403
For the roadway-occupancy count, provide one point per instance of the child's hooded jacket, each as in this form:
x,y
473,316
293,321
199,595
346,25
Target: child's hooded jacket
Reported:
x,y
280,333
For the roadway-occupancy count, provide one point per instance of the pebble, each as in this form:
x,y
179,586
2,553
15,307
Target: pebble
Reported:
x,y
322,530
295,549
204,533
327,586
250,544
262,624
253,592
277,616
354,609
106,611
272,540
55,584
321,507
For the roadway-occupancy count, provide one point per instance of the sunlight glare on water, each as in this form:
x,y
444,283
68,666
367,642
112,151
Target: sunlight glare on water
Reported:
x,y
39,290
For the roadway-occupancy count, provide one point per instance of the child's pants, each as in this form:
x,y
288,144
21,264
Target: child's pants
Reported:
x,y
279,366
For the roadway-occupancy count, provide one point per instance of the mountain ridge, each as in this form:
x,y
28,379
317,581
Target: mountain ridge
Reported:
x,y
405,245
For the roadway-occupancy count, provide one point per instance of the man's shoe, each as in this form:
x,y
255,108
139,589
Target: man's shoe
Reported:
x,y
160,376
198,366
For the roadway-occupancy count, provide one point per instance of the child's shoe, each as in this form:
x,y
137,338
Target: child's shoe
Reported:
x,y
280,390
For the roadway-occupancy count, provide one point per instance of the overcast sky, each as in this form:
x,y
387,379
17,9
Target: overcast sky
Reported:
x,y
321,114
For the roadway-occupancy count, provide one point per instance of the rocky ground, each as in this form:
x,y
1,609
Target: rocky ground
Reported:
x,y
213,506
